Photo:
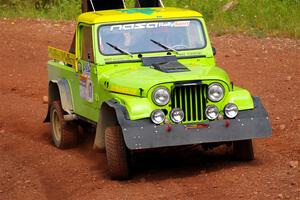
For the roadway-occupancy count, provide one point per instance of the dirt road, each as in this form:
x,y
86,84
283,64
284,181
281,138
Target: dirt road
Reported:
x,y
31,168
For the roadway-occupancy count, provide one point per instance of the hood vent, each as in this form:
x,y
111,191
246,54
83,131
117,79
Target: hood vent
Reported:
x,y
167,64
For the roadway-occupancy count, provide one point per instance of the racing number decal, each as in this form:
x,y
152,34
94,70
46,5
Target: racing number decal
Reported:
x,y
86,84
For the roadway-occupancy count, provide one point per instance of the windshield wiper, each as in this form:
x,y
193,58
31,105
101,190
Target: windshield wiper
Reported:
x,y
164,46
119,49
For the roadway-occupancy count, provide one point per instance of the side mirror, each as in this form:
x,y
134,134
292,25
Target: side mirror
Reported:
x,y
214,51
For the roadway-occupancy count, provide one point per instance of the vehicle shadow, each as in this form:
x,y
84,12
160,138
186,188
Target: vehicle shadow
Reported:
x,y
160,164
183,162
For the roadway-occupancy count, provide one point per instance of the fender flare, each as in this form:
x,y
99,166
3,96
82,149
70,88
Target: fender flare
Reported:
x,y
111,113
63,94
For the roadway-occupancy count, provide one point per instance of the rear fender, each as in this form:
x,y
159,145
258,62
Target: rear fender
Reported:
x,y
60,90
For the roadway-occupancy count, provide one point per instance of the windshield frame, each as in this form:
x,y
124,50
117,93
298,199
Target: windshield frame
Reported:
x,y
147,21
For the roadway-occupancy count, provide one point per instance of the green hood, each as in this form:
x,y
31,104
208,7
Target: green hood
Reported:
x,y
137,77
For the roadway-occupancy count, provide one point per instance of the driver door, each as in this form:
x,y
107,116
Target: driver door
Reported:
x,y
85,73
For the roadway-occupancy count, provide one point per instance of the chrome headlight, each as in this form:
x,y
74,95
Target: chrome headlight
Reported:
x,y
177,115
215,92
161,96
231,110
158,116
212,112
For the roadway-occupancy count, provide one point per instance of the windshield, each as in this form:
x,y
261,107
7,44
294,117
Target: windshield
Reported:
x,y
151,37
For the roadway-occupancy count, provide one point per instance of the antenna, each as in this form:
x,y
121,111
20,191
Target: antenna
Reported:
x,y
91,1
124,5
161,3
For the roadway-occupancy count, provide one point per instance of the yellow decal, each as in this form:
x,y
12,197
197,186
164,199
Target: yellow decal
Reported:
x,y
61,55
123,90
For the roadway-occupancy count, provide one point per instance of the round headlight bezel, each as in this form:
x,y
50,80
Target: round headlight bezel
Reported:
x,y
226,110
154,112
154,93
212,98
172,115
208,116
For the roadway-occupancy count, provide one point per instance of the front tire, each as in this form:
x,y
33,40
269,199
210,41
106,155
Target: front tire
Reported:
x,y
243,150
63,133
117,153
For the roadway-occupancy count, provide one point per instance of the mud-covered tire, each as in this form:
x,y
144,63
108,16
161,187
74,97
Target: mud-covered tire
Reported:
x,y
117,154
63,133
243,150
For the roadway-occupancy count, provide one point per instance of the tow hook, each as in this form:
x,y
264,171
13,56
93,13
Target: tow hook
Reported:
x,y
169,125
227,123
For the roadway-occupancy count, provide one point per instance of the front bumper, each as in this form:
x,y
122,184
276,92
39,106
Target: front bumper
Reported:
x,y
143,134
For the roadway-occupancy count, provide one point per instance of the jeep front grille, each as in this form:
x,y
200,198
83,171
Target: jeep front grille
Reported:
x,y
191,99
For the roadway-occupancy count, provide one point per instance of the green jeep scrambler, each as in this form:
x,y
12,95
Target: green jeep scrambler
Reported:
x,y
146,78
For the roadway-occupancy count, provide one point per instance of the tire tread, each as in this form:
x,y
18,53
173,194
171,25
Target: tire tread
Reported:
x,y
69,136
243,150
116,153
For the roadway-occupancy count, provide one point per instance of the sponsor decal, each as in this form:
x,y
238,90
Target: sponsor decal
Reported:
x,y
85,82
197,126
150,25
87,68
60,55
181,23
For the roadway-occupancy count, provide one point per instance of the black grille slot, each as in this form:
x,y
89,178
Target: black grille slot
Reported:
x,y
191,99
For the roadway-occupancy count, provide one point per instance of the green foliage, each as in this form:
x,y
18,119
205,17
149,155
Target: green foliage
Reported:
x,y
52,9
258,17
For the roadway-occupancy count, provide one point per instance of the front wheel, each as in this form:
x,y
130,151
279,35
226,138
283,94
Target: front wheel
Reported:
x,y
243,150
117,153
64,134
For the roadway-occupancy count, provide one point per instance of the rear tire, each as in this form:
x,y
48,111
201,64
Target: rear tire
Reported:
x,y
117,153
243,150
63,133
